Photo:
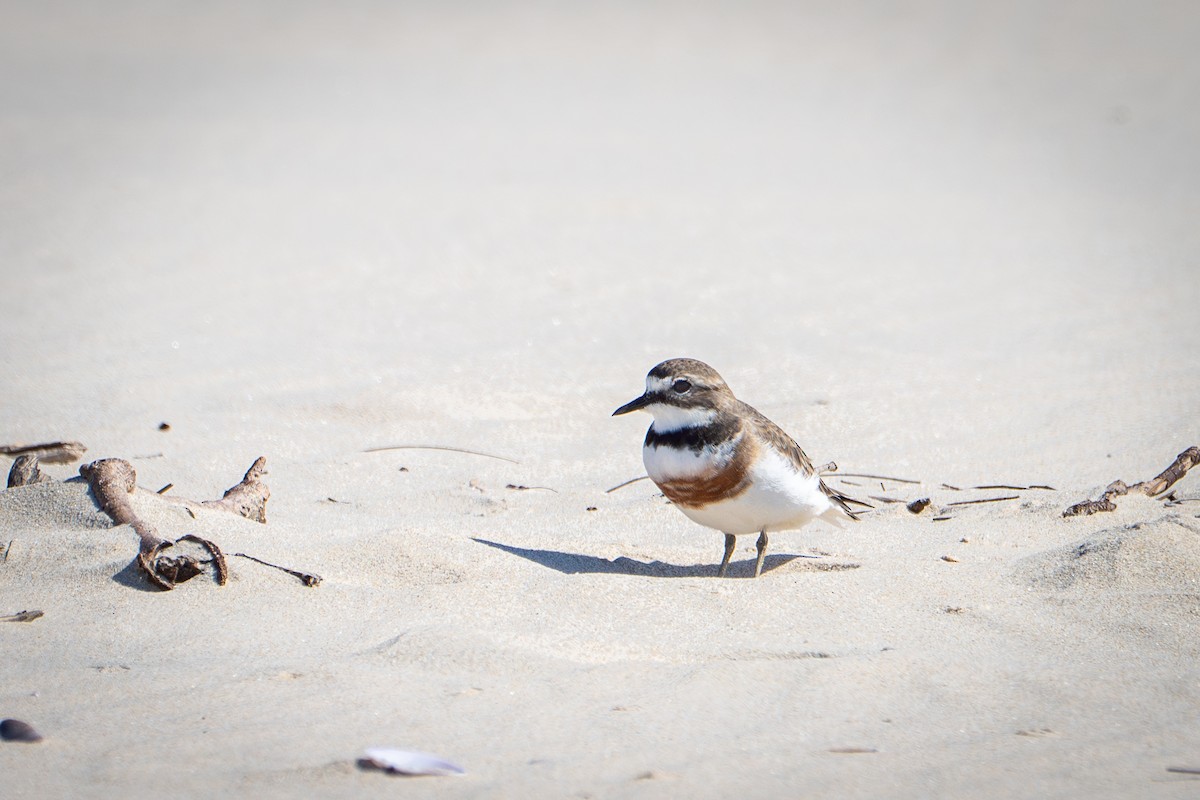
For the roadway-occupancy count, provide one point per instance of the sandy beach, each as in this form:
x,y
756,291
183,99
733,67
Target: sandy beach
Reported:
x,y
950,246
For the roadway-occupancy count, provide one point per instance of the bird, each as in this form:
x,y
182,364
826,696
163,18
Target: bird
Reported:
x,y
725,465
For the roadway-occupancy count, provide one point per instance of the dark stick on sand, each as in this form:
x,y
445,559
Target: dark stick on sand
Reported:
x,y
1017,488
307,578
984,500
875,477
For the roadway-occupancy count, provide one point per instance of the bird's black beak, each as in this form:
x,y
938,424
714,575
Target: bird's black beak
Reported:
x,y
633,405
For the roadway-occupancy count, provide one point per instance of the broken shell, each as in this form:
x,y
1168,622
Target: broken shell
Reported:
x,y
408,762
13,730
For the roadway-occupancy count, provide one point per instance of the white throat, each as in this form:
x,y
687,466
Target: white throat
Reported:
x,y
673,418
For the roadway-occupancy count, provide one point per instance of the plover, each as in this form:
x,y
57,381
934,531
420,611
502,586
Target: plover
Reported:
x,y
725,465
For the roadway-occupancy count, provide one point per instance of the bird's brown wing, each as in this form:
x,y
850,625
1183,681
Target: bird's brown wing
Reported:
x,y
786,446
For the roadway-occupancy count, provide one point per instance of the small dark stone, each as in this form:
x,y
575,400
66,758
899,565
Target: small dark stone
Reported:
x,y
13,730
917,506
164,426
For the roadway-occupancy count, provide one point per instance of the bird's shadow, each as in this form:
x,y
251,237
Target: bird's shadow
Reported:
x,y
578,563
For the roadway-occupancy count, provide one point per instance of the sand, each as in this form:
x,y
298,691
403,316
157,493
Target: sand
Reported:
x,y
950,244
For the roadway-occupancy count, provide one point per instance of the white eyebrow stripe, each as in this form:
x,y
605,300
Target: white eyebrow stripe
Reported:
x,y
657,384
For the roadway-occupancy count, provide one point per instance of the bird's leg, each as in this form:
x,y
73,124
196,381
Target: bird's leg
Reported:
x,y
730,541
762,553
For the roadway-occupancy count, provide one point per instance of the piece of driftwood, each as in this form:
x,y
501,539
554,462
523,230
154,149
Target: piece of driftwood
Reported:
x,y
112,480
1151,488
249,498
25,471
23,616
49,452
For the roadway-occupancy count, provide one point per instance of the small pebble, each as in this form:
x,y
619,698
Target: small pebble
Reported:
x,y
13,730
917,506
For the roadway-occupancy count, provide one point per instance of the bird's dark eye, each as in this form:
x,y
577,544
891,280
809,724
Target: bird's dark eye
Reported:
x,y
681,386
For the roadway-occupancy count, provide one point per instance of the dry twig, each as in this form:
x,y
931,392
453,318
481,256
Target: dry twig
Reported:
x,y
307,578
875,477
623,484
438,447
1017,488
983,500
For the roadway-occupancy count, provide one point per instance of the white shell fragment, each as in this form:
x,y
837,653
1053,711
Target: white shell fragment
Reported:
x,y
409,762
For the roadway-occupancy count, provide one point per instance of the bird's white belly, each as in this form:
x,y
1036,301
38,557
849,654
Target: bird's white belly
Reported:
x,y
777,498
